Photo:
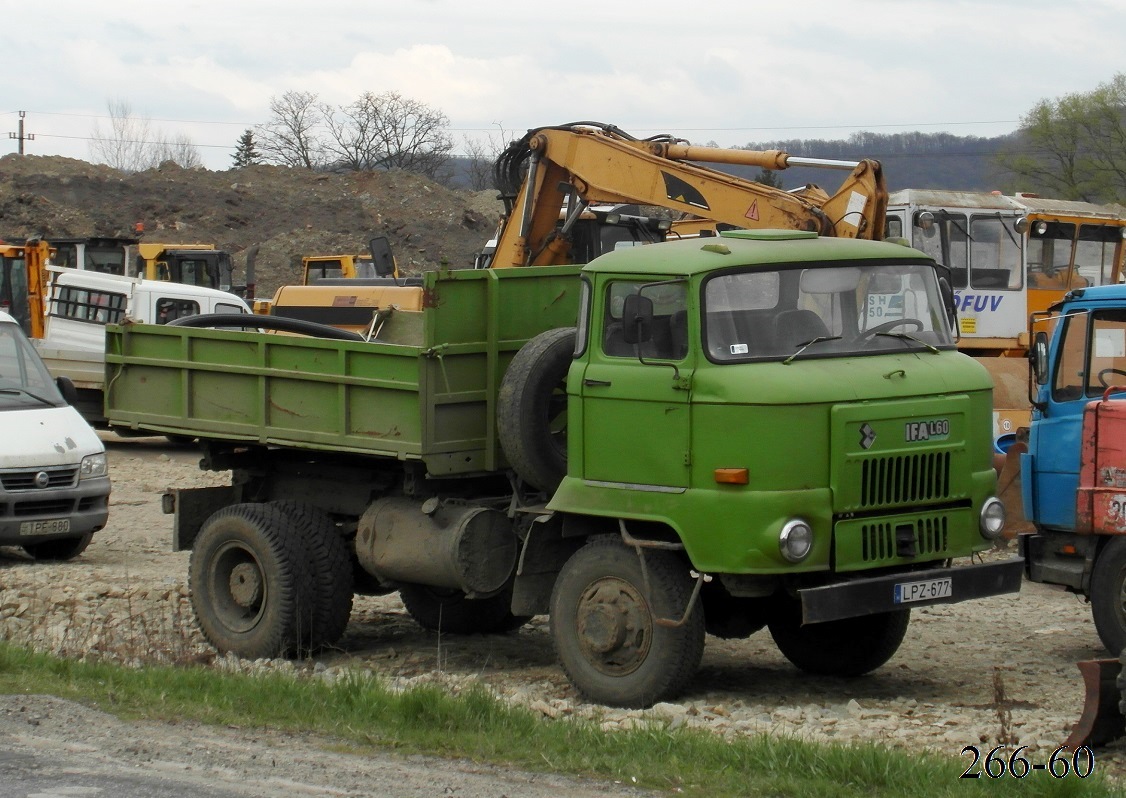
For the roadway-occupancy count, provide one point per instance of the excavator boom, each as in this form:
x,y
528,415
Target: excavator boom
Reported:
x,y
557,171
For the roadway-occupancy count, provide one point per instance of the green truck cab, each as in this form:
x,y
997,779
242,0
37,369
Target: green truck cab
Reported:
x,y
763,429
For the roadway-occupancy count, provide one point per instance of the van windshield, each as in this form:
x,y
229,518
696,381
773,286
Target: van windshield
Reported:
x,y
824,311
24,380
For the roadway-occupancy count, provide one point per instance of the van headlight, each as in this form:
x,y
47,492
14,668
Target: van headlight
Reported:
x,y
795,540
93,465
992,519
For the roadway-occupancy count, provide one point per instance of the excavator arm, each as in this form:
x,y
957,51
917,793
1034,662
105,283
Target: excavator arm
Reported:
x,y
555,172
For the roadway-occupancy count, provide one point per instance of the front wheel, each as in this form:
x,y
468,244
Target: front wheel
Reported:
x,y
59,550
1108,595
252,591
605,628
848,647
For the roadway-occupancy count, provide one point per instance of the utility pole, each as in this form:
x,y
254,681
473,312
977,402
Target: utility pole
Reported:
x,y
21,135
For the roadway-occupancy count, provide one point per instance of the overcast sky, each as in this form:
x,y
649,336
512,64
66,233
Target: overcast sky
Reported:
x,y
729,72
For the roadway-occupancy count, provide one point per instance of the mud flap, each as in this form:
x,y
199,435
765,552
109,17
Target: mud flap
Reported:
x,y
1102,719
193,506
1009,487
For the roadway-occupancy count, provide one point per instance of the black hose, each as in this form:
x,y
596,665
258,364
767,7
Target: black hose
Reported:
x,y
280,323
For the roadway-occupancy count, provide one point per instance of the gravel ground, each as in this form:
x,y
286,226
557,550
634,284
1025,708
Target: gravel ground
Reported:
x,y
127,595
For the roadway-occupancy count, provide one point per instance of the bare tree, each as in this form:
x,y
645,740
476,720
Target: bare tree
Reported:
x,y
178,149
479,170
482,156
292,136
123,145
389,131
132,144
353,143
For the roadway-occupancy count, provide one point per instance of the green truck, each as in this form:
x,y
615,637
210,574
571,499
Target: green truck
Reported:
x,y
715,435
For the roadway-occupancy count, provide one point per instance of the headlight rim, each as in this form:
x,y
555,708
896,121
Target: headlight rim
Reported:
x,y
786,535
992,514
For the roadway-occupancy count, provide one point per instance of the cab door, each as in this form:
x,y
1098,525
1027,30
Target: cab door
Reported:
x,y
635,396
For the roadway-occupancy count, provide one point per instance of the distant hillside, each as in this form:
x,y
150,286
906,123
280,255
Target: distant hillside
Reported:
x,y
910,160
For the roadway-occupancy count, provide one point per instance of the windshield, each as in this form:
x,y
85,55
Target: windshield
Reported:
x,y
982,251
824,312
24,380
1054,246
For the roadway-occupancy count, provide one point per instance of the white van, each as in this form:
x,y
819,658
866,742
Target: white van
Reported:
x,y
83,302
54,479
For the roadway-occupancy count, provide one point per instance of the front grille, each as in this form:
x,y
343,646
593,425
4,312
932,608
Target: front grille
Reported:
x,y
24,479
44,507
878,539
904,479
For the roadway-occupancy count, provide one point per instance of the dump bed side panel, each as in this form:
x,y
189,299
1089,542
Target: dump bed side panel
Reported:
x,y
430,398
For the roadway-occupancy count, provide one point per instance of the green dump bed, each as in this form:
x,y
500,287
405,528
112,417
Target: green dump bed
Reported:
x,y
424,389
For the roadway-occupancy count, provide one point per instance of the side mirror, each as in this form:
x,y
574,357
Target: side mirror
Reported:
x,y
1038,358
637,319
67,389
381,256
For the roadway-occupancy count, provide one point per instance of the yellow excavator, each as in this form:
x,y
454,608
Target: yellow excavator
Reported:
x,y
23,283
554,176
377,262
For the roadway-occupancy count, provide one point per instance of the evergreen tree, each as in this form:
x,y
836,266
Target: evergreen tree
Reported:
x,y
768,177
246,154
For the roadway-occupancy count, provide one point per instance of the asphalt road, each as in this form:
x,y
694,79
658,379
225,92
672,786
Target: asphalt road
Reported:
x,y
51,748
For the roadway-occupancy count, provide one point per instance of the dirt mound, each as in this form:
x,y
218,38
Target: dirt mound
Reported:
x,y
286,213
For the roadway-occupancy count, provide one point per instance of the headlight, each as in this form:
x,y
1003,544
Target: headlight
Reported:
x,y
795,540
93,465
992,519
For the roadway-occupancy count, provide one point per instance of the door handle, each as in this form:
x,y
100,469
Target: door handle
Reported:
x,y
596,383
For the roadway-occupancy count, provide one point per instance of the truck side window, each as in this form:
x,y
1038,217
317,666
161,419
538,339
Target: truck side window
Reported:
x,y
170,309
669,339
1092,355
1108,351
1070,373
80,304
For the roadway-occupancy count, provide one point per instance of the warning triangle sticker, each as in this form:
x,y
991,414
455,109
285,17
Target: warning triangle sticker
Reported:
x,y
752,214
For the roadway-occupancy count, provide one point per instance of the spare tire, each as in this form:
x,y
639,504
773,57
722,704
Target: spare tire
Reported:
x,y
532,409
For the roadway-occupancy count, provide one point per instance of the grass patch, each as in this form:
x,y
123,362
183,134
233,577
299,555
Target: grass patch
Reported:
x,y
364,713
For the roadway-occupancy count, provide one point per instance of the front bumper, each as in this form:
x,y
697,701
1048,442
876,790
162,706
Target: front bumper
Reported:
x,y
872,595
85,506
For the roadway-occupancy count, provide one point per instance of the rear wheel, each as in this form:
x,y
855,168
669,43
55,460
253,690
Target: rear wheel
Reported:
x,y
331,566
1120,682
848,647
448,610
1108,595
59,550
605,630
252,591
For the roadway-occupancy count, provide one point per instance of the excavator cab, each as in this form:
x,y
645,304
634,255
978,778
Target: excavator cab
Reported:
x,y
13,286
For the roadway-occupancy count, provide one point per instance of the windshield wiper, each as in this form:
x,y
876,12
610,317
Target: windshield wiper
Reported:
x,y
26,392
807,344
906,337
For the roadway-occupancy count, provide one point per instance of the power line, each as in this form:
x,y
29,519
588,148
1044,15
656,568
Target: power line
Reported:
x,y
648,129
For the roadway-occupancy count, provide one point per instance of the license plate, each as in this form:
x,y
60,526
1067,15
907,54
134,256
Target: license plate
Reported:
x,y
906,592
53,527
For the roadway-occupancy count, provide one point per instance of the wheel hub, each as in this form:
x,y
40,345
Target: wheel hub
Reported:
x,y
246,585
614,626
